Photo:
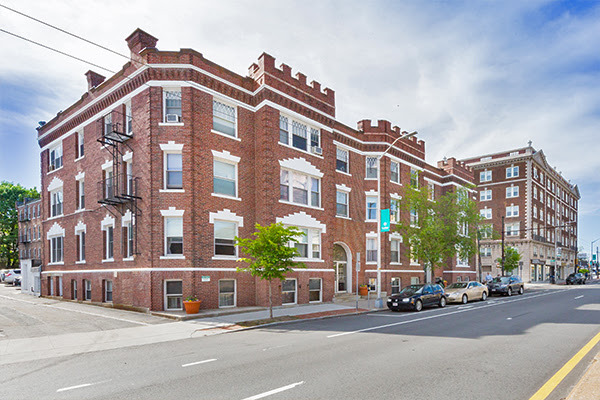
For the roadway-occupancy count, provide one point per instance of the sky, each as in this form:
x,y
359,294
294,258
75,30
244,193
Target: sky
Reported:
x,y
472,77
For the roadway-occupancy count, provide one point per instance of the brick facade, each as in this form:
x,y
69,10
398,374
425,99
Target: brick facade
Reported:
x,y
259,156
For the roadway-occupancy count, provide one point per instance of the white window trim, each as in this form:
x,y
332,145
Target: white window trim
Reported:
x,y
291,172
367,207
227,158
234,292
378,162
171,148
108,164
399,179
295,292
165,302
164,106
320,291
235,107
309,125
371,236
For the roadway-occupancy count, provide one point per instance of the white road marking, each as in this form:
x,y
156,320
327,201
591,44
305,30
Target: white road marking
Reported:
x,y
274,391
199,362
578,297
509,318
274,347
80,386
464,307
438,315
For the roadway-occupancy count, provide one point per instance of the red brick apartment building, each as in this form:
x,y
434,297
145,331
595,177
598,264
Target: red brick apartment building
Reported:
x,y
539,207
30,241
148,178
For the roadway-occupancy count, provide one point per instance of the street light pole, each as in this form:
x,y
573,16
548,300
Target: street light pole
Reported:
x,y
379,301
592,252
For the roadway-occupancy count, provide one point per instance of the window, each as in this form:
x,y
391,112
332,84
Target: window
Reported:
x,y
512,171
109,243
88,289
56,198
174,171
414,280
371,208
315,138
485,176
371,250
299,188
486,213
414,178
312,237
535,191
371,165
80,194
486,231
341,162
512,191
224,118
227,293
395,285
73,289
108,291
55,158
342,203
173,236
534,212
129,118
172,101
284,130
173,295
485,195
81,246
225,233
314,290
316,244
302,244
512,211
80,145
224,179
394,172
414,217
395,251
512,229
430,191
288,291
394,211
535,172
299,135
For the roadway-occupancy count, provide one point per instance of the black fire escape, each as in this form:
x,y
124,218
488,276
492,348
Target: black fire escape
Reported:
x,y
118,189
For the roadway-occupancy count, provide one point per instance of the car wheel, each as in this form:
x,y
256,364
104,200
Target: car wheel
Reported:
x,y
484,296
418,305
442,302
521,290
509,292
465,299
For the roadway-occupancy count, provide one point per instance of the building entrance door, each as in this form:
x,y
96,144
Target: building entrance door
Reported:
x,y
340,276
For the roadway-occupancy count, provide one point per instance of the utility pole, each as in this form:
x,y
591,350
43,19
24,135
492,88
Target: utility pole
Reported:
x,y
502,260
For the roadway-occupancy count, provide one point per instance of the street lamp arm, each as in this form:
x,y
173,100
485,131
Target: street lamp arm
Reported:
x,y
394,142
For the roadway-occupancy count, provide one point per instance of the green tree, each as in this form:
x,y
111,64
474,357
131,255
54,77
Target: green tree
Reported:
x,y
437,231
511,259
270,253
9,228
484,232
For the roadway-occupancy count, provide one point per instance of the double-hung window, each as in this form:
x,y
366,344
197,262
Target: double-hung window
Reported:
x,y
88,289
299,135
512,211
371,250
315,138
302,244
394,211
80,145
224,117
227,293
395,285
371,208
224,178
109,238
414,178
342,203
394,172
308,243
341,161
512,191
56,203
225,233
371,168
81,246
284,130
512,171
173,295
485,176
173,171
173,236
56,249
395,250
512,229
486,213
129,119
80,194
299,188
414,218
172,110
55,158
108,291
485,195
430,191
314,290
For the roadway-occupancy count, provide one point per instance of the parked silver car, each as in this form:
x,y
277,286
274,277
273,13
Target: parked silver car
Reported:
x,y
10,276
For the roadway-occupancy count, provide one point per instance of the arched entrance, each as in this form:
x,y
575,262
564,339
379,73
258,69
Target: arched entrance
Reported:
x,y
342,263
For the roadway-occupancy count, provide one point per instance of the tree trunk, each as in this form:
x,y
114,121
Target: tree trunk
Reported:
x,y
270,301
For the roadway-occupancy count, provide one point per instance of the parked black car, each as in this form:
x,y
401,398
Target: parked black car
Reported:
x,y
506,285
416,297
576,279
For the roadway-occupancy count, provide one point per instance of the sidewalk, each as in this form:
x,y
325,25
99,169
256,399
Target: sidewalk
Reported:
x,y
588,387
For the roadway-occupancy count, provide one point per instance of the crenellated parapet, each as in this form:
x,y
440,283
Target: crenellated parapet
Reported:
x,y
452,166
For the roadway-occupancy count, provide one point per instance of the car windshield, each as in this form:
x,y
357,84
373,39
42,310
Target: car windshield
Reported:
x,y
458,285
501,279
412,289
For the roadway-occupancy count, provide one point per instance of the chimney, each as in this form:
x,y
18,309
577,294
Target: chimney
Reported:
x,y
93,79
138,41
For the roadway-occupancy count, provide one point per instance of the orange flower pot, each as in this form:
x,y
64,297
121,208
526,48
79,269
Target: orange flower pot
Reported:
x,y
363,291
192,307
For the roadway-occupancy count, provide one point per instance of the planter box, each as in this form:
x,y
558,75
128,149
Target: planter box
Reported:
x,y
192,307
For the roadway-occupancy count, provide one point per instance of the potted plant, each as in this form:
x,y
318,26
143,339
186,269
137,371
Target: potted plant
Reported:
x,y
363,290
191,304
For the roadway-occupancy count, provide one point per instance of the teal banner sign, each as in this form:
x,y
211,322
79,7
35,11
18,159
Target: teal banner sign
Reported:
x,y
385,220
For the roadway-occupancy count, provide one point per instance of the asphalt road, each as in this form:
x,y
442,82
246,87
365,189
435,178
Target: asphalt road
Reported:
x,y
504,348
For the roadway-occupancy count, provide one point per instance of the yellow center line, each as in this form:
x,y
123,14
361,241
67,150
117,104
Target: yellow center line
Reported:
x,y
557,378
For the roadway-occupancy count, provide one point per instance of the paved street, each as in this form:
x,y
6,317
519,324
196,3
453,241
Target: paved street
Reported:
x,y
499,349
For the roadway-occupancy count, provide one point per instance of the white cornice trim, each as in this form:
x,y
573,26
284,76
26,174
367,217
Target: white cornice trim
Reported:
x,y
171,146
80,227
55,231
108,221
107,165
300,165
80,176
172,212
225,155
343,188
56,183
303,220
225,215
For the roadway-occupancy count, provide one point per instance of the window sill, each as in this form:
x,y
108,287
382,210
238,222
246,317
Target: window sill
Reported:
x,y
300,205
57,263
226,135
315,302
342,217
55,217
222,258
129,259
343,173
79,210
173,257
171,190
318,260
395,263
224,196
396,183
80,262
412,264
54,170
300,150
370,179
170,124
370,220
371,263
80,158
109,260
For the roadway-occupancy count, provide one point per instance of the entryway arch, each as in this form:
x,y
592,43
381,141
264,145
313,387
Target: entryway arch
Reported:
x,y
342,264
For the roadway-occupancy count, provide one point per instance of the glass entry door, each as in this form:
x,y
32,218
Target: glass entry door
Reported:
x,y
340,276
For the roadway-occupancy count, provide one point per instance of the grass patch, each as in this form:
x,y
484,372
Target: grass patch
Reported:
x,y
267,321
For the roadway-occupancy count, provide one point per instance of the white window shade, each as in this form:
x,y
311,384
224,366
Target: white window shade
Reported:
x,y
174,227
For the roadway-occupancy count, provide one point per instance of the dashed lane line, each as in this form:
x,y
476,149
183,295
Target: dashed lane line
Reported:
x,y
274,391
198,362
